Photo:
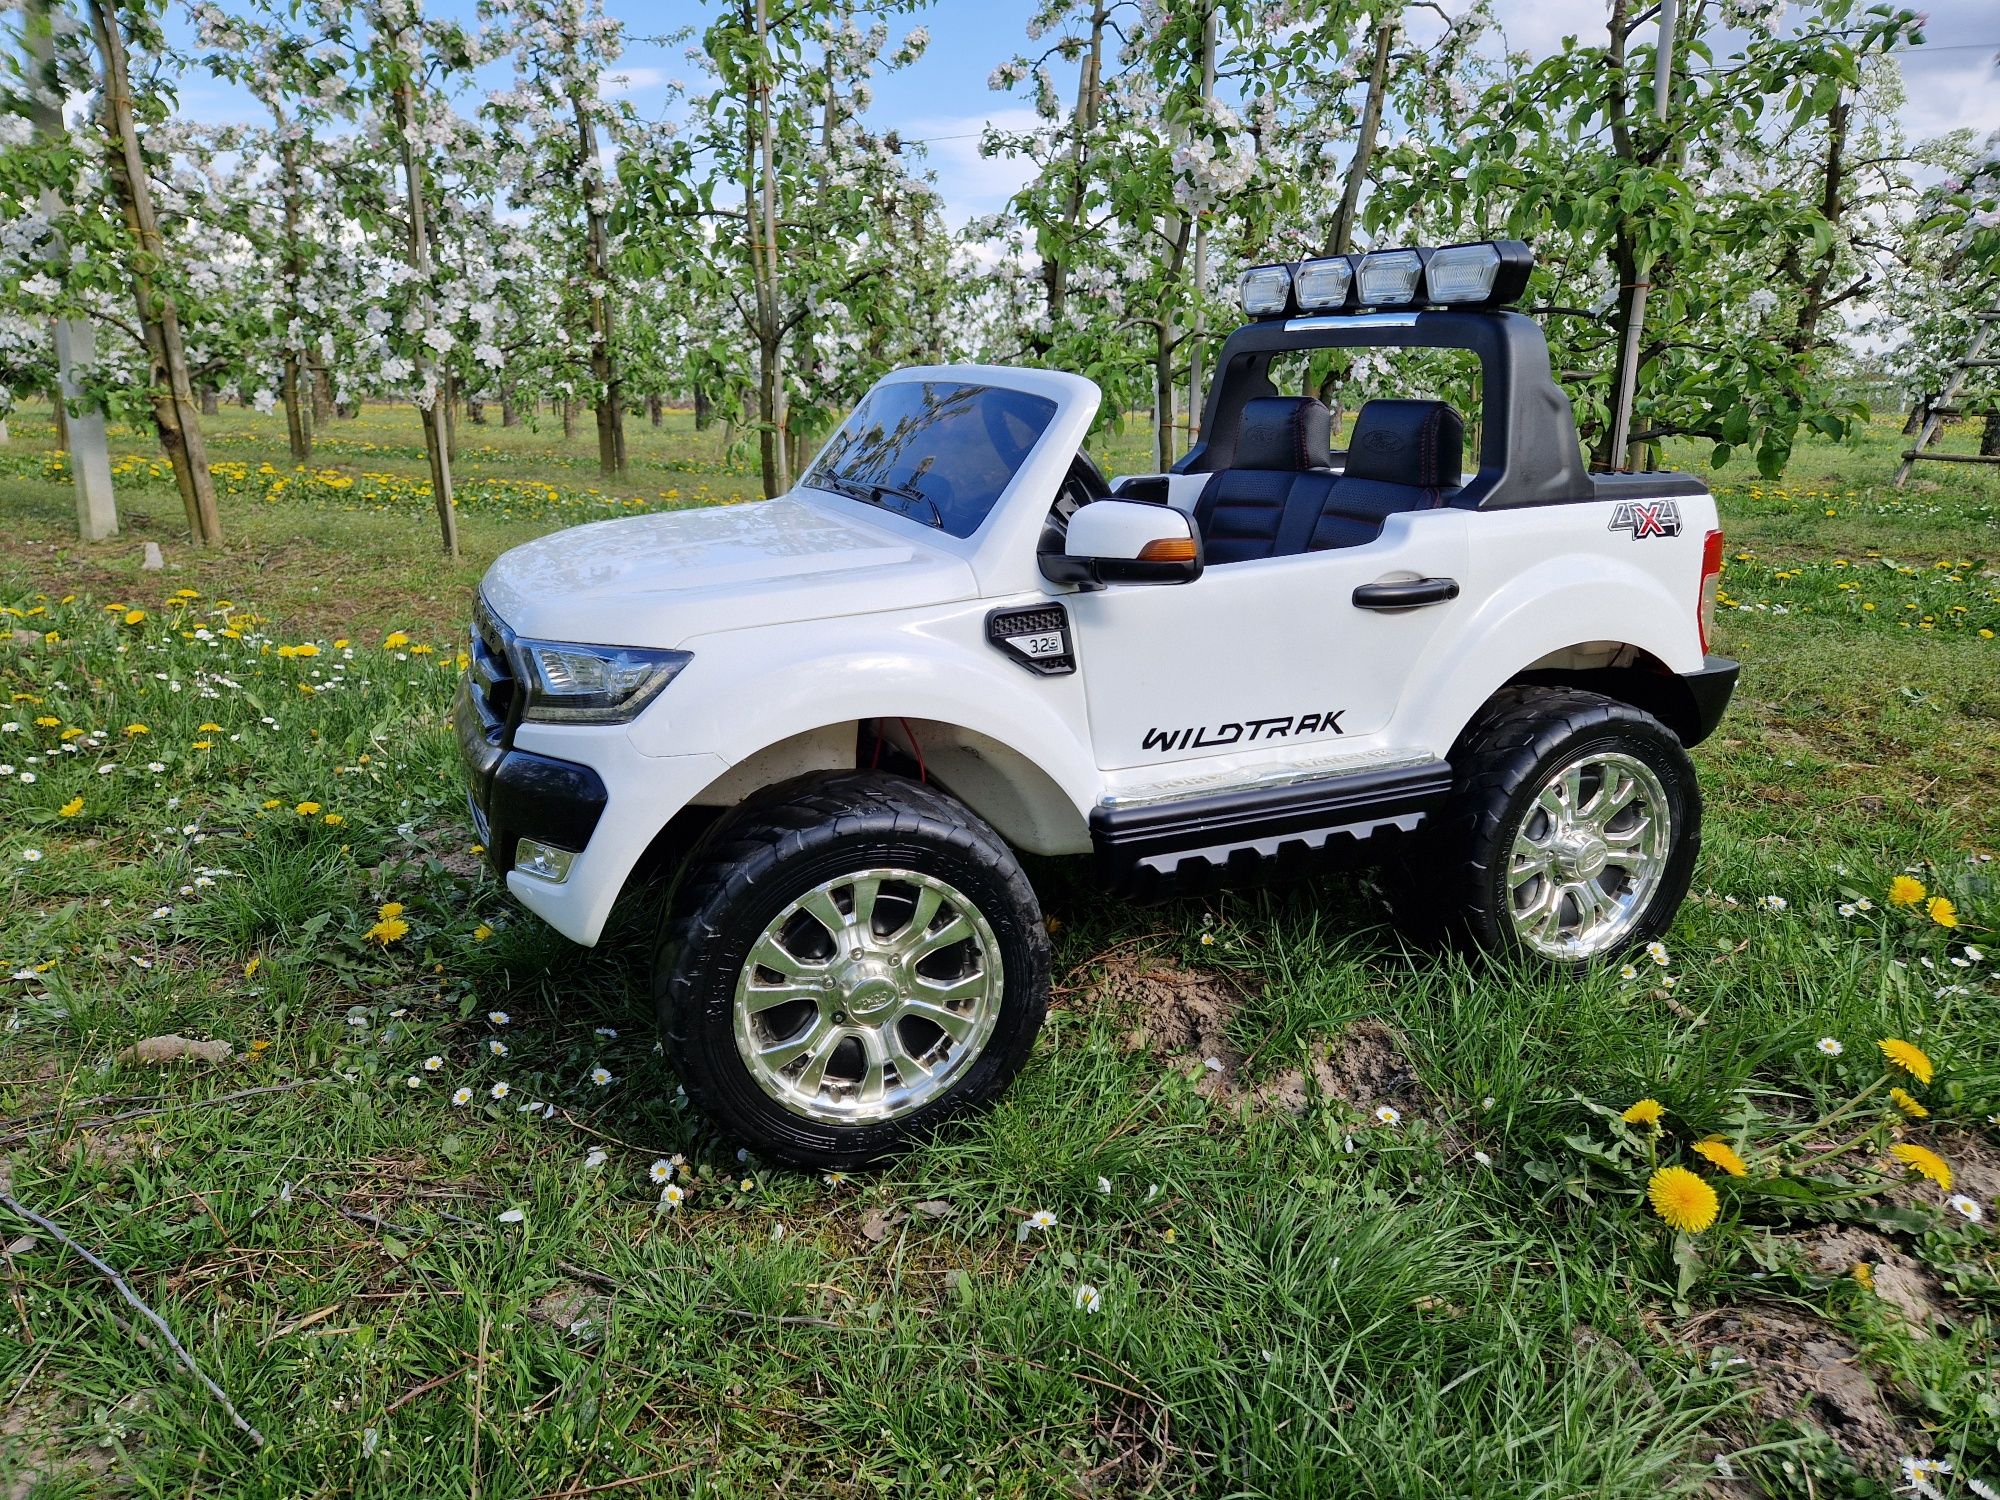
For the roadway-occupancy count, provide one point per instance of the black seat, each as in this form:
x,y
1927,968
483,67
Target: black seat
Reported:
x,y
1404,455
1282,471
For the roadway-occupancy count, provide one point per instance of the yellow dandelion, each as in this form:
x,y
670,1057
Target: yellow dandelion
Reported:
x,y
250,969
333,820
1908,1105
1718,1152
47,721
204,744
1909,1058
70,808
1942,911
1864,1274
135,616
1906,890
389,909
137,729
395,641
208,729
1687,1203
271,802
340,644
388,930
308,649
307,809
1924,1162
481,933
1645,1112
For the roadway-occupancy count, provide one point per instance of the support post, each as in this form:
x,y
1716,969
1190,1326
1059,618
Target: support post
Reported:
x,y
75,339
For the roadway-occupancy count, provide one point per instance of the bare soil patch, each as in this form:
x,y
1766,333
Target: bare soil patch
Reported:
x,y
1803,1372
1182,1017
1897,1278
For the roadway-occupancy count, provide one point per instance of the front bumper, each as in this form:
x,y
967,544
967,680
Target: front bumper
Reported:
x,y
516,794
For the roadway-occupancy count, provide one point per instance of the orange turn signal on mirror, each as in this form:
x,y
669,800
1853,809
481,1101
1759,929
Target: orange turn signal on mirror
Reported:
x,y
1168,549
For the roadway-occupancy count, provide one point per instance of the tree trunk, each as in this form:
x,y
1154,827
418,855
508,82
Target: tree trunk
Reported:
x,y
655,409
436,440
475,412
1989,436
510,414
448,399
297,430
211,401
1342,238
323,408
704,408
761,189
604,371
173,401
1818,286
60,412
1914,423
1089,88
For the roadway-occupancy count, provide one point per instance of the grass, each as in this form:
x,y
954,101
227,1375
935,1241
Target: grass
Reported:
x,y
1291,1303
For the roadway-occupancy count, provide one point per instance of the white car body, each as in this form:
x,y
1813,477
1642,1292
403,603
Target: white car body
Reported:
x,y
812,614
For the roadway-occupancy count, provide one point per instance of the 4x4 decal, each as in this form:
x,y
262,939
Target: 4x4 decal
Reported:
x,y
1644,518
1244,733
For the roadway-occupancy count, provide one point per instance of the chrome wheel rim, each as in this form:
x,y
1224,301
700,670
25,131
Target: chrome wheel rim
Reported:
x,y
868,997
1588,855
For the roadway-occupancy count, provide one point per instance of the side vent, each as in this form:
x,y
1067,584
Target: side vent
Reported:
x,y
1037,638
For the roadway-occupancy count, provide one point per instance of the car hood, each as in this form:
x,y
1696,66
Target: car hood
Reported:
x,y
657,580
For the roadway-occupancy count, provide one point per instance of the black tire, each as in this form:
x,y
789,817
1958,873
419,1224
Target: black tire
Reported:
x,y
765,857
1452,880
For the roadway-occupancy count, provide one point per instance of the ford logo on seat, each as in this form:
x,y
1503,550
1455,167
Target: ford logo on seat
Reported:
x,y
1382,441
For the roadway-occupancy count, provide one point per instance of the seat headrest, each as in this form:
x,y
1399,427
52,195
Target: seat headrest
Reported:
x,y
1417,443
1284,432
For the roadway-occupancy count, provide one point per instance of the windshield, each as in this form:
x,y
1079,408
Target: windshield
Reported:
x,y
937,451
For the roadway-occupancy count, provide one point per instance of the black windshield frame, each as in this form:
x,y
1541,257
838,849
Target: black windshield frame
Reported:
x,y
937,452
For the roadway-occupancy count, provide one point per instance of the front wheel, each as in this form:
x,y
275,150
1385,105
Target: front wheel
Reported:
x,y
849,965
1572,831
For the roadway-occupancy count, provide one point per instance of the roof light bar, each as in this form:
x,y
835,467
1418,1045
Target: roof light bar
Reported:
x,y
1485,274
1266,291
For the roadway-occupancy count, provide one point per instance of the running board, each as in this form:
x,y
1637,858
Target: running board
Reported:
x,y
1231,838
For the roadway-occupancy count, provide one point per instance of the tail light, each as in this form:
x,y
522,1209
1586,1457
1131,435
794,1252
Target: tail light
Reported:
x,y
1711,585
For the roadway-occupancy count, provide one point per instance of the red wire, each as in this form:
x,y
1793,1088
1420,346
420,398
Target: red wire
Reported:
x,y
922,774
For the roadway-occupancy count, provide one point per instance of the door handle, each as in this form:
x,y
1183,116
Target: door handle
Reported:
x,y
1407,593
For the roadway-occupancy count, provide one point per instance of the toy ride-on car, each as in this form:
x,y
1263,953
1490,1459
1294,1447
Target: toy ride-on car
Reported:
x,y
846,709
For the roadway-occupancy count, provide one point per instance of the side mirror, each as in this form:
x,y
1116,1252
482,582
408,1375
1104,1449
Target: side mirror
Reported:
x,y
1126,541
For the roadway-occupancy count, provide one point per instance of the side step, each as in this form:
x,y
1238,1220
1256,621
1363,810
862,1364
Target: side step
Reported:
x,y
1232,838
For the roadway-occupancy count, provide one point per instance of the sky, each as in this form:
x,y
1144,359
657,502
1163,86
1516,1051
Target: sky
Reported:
x,y
943,101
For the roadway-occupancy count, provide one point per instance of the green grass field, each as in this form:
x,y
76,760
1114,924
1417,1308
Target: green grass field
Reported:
x,y
426,1253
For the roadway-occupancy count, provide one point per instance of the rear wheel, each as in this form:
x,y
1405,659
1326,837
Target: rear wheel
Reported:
x,y
849,965
1571,835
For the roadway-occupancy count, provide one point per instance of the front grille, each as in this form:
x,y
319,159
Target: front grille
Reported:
x,y
493,685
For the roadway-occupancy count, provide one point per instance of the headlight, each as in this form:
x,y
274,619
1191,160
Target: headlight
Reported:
x,y
1322,284
592,684
1388,278
1266,290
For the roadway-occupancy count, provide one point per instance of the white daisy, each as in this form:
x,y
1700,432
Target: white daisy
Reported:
x,y
1388,1115
1773,903
500,1090
1089,1299
595,1158
661,1172
498,1017
433,1063
673,1195
1969,1207
600,1075
1829,1046
461,1096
